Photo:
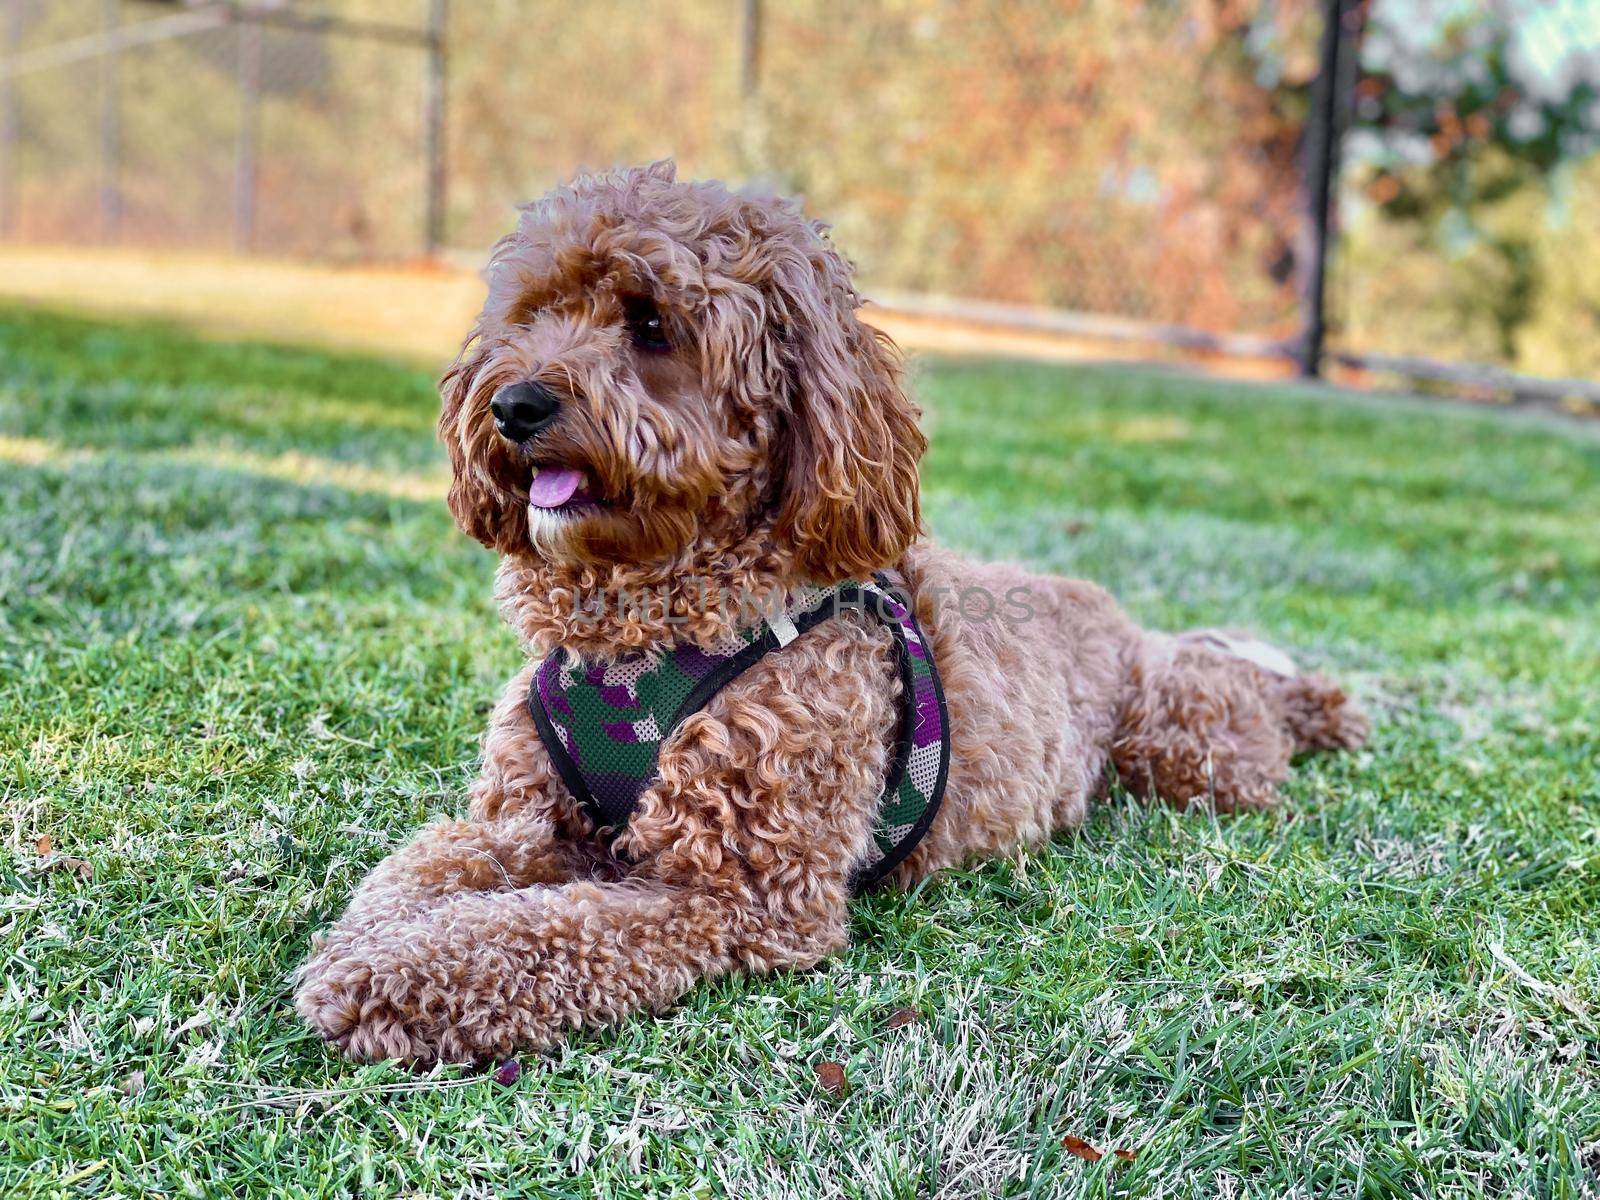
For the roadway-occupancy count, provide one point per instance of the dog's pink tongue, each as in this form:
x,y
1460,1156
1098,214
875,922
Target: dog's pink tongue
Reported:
x,y
553,488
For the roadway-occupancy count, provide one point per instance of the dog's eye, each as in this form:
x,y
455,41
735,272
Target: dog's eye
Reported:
x,y
643,319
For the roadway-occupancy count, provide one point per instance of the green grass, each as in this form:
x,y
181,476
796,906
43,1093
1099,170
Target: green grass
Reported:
x,y
232,686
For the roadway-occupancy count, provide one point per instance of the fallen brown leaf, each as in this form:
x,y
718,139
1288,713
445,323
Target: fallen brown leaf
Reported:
x,y
45,847
1076,1145
81,867
900,1018
1125,1154
831,1076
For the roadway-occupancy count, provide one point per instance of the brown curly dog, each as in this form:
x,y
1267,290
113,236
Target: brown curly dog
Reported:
x,y
682,370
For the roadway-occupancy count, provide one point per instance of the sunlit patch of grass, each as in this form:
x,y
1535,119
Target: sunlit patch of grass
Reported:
x,y
287,467
243,654
1136,430
416,313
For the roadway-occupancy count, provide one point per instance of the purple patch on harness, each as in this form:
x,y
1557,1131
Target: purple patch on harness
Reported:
x,y
621,731
928,729
553,698
618,696
615,695
695,662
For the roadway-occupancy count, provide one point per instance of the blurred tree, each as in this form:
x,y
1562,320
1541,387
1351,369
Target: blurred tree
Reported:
x,y
1562,333
1133,158
1460,140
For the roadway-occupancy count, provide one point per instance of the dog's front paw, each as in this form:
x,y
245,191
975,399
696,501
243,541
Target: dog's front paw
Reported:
x,y
371,1010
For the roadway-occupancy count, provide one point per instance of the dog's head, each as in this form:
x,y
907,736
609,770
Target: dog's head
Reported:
x,y
663,369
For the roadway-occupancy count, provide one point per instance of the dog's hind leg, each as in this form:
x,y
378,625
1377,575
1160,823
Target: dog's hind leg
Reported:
x,y
1314,710
1214,717
1201,723
1319,715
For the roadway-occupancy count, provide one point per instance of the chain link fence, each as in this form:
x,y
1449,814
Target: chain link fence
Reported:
x,y
1105,157
1129,169
163,125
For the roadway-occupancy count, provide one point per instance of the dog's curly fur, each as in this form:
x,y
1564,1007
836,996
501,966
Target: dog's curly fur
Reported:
x,y
770,443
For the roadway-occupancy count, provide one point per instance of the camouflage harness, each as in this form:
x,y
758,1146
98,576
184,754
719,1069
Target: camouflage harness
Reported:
x,y
604,723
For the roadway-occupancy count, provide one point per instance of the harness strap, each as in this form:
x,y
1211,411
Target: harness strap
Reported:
x,y
603,724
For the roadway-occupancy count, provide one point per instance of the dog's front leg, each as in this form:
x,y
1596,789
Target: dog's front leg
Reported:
x,y
479,974
740,858
510,840
450,857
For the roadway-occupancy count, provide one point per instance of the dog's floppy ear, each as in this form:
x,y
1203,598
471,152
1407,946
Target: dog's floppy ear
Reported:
x,y
472,502
849,502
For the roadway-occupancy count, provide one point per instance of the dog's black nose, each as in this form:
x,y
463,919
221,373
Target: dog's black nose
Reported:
x,y
523,409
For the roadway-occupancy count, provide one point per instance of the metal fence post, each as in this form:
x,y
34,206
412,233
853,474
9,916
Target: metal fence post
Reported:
x,y
1322,135
110,128
433,131
244,158
10,123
